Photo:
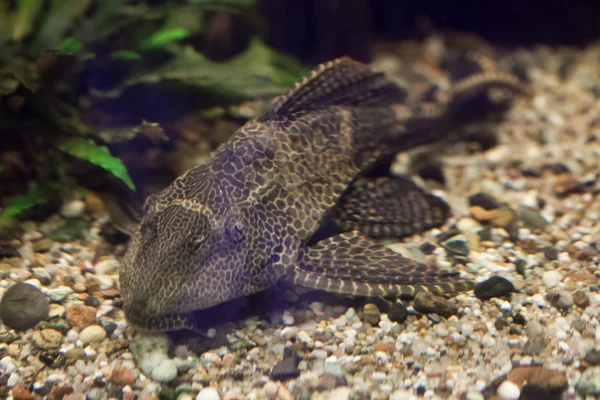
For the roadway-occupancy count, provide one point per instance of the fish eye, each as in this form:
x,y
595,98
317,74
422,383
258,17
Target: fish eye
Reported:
x,y
200,239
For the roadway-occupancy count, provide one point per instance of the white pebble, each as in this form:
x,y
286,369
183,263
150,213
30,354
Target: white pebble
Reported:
x,y
319,354
106,266
382,356
106,282
466,329
208,394
289,332
13,379
341,393
474,396
72,209
8,366
271,388
34,282
166,371
350,313
304,337
551,278
401,395
378,376
505,306
93,333
508,391
288,319
561,335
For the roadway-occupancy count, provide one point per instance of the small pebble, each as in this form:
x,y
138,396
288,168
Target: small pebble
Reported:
x,y
508,391
581,299
371,314
551,278
495,286
428,303
47,339
92,334
166,371
208,394
73,209
589,382
398,313
592,357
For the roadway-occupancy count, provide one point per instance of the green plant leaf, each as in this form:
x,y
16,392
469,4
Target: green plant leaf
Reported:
x,y
27,11
34,196
126,55
258,72
223,4
70,45
97,155
165,36
59,18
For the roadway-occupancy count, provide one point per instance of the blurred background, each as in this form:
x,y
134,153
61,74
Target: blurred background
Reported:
x,y
105,95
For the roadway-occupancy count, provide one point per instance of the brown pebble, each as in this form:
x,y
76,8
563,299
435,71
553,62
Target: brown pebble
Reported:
x,y
541,376
122,375
581,299
145,395
371,314
480,327
47,339
58,392
586,254
529,246
583,275
566,186
43,245
502,217
326,382
480,213
94,204
20,392
128,396
229,360
92,286
428,303
385,347
110,293
81,316
74,396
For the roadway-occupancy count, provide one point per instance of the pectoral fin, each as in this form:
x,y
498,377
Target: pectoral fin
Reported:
x,y
350,263
388,206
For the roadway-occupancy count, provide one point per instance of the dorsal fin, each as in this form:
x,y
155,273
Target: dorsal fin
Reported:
x,y
340,82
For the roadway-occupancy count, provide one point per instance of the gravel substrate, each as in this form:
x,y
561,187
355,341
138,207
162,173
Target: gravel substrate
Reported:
x,y
525,225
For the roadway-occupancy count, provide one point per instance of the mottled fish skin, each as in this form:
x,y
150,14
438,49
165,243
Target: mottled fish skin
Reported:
x,y
243,220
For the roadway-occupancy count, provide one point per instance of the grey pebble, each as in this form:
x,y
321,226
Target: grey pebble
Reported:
x,y
495,286
46,339
589,382
593,357
286,368
371,314
428,303
60,293
560,299
457,245
398,313
534,345
532,219
581,299
23,306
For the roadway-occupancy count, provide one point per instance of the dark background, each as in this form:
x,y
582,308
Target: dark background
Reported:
x,y
317,30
